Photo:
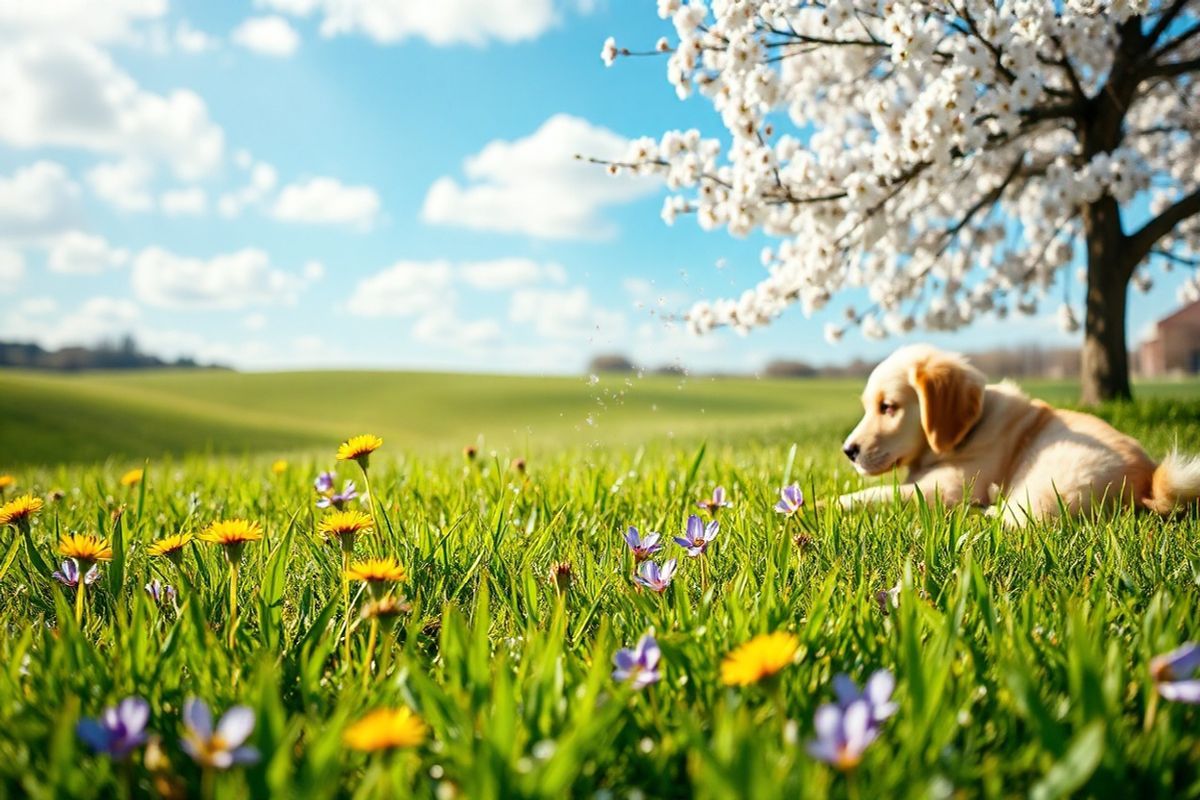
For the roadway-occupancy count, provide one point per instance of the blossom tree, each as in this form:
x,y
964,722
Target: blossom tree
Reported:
x,y
950,157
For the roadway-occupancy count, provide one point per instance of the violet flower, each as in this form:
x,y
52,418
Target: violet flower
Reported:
x,y
791,499
119,730
224,747
339,499
642,546
653,578
160,592
68,574
638,665
324,483
697,536
843,734
715,503
877,693
1174,673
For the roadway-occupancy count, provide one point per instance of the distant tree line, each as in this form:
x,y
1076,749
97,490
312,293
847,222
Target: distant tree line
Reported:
x,y
120,354
1024,361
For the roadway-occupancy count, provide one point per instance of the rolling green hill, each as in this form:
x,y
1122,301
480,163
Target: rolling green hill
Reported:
x,y
50,418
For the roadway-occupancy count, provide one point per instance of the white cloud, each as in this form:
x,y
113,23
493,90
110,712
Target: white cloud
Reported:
x,y
441,22
78,253
38,306
228,281
94,20
536,186
441,326
12,270
254,322
402,290
67,93
98,318
125,184
564,314
510,273
38,200
327,201
262,180
193,40
184,202
267,36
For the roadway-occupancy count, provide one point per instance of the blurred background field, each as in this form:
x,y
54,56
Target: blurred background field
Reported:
x,y
131,416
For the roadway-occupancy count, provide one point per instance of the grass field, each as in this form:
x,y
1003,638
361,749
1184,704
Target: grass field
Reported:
x,y
1021,659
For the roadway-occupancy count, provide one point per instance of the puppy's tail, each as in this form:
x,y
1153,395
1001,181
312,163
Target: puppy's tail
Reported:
x,y
1175,485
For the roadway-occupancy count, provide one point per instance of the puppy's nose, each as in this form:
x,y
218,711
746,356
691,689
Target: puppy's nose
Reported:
x,y
851,451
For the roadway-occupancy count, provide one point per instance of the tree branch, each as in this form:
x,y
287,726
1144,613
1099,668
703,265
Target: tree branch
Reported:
x,y
1165,19
1172,68
1144,240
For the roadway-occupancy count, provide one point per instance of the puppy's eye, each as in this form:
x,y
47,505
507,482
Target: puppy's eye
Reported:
x,y
887,408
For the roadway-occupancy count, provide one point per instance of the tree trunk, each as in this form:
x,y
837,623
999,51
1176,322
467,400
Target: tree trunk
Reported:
x,y
1105,358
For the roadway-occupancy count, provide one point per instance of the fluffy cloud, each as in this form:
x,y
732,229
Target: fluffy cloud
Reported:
x,y
261,181
404,289
192,40
94,20
38,200
12,270
184,202
268,36
99,318
68,93
326,201
536,186
564,314
229,281
78,253
510,273
125,184
441,22
441,326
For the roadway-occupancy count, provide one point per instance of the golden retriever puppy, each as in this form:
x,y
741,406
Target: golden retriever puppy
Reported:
x,y
961,438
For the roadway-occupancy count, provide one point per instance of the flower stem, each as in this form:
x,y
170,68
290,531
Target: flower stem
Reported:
x,y
366,679
346,601
371,500
233,620
80,591
208,789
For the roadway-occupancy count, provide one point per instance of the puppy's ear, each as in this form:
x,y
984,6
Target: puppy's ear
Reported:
x,y
951,394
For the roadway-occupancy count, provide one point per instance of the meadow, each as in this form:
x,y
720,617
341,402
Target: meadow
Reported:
x,y
1021,659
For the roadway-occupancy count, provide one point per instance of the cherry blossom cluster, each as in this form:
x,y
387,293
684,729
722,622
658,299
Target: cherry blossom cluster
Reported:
x,y
929,152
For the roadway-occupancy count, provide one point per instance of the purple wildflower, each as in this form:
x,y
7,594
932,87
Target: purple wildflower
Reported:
x,y
222,748
339,499
1174,672
715,503
638,665
697,536
68,574
324,483
653,578
877,693
642,546
119,730
791,499
843,734
160,592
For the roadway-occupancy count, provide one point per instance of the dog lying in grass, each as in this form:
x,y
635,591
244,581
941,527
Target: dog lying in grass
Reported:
x,y
962,438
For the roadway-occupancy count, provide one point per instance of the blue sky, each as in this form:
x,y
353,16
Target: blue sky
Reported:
x,y
278,184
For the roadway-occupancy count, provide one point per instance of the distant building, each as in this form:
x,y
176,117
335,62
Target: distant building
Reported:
x,y
1174,347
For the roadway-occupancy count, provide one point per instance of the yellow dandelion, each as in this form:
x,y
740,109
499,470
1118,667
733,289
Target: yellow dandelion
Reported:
x,y
761,657
19,510
344,523
133,477
232,532
386,729
359,448
377,570
85,548
279,467
171,547
6,482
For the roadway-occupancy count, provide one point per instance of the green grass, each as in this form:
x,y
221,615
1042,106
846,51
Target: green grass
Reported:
x,y
1021,657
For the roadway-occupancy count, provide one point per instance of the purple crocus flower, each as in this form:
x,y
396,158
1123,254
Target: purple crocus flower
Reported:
x,y
790,499
638,665
715,503
119,730
697,536
843,734
642,546
339,499
653,578
324,483
68,574
224,747
160,591
1173,673
877,693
